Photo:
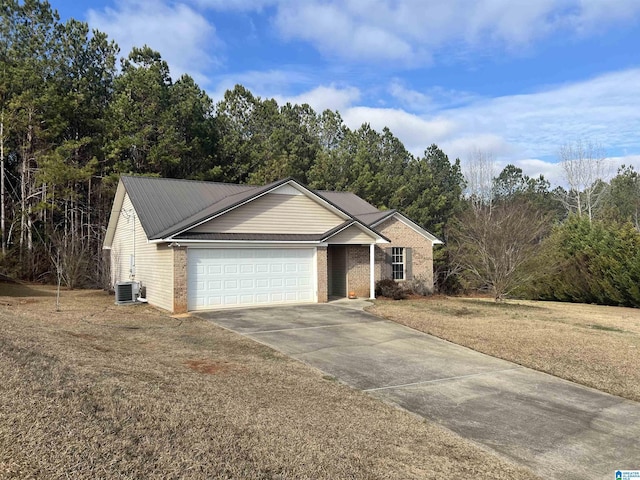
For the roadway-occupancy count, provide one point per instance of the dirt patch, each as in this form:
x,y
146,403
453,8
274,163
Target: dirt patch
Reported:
x,y
84,395
594,345
209,367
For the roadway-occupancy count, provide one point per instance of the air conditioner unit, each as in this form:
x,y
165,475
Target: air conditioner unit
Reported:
x,y
127,292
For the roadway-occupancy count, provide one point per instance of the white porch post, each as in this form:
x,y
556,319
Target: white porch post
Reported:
x,y
372,271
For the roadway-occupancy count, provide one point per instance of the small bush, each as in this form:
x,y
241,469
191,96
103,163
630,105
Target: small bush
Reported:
x,y
418,286
391,289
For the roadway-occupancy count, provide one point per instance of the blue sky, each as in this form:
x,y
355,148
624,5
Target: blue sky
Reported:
x,y
515,79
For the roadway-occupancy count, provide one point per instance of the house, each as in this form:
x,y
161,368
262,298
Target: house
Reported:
x,y
201,245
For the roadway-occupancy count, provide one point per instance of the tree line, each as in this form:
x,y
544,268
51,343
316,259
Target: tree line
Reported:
x,y
517,237
74,116
71,122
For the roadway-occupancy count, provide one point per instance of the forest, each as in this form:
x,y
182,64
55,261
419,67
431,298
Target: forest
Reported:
x,y
75,114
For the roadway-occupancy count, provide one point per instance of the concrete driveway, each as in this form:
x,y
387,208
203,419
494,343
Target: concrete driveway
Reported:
x,y
559,429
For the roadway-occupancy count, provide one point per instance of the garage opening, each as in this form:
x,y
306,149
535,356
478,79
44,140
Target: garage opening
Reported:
x,y
244,277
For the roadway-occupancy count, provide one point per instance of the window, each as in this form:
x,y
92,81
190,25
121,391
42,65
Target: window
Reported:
x,y
397,263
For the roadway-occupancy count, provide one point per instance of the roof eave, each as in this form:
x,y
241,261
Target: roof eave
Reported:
x,y
377,236
411,224
114,216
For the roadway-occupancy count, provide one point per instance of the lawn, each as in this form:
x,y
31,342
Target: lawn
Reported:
x,y
594,345
103,391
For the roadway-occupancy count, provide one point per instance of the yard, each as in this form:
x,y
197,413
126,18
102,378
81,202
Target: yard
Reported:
x,y
594,345
103,391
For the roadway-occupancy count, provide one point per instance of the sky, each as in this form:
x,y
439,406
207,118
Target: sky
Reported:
x,y
514,79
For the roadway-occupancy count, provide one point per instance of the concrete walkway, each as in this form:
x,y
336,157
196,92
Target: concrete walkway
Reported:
x,y
559,429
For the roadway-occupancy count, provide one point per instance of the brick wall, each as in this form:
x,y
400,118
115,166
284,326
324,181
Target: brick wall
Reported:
x,y
402,235
180,280
323,278
358,270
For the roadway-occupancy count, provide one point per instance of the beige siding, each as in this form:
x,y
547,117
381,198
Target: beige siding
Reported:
x,y
153,263
352,235
275,213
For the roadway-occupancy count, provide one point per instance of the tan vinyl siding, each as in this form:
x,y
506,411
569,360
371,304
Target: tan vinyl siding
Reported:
x,y
275,213
352,235
154,263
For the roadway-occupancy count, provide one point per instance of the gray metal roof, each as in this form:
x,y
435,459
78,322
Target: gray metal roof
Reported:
x,y
219,206
347,201
166,206
162,203
374,217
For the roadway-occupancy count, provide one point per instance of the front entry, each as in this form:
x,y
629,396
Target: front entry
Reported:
x,y
337,270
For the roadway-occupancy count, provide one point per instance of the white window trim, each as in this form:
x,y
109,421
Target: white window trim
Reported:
x,y
403,263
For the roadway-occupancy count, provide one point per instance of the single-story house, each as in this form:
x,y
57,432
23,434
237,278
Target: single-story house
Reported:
x,y
201,245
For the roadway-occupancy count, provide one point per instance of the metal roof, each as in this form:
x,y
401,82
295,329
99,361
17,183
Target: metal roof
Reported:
x,y
167,207
163,203
348,202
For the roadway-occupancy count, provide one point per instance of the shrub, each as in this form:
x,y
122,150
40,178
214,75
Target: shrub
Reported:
x,y
593,262
418,286
390,288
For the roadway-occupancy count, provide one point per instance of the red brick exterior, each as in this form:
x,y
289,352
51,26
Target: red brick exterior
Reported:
x,y
358,270
400,235
323,275
180,280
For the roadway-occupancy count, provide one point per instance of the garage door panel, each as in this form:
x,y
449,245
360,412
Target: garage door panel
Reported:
x,y
245,277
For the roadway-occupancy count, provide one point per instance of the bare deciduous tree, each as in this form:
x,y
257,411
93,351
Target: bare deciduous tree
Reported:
x,y
479,172
493,244
585,169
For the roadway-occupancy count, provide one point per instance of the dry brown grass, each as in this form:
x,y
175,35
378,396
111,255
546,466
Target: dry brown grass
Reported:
x,y
593,345
100,391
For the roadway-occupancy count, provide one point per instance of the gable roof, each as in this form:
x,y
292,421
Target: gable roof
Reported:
x,y
162,203
167,208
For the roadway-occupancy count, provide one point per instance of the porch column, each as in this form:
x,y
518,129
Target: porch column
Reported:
x,y
372,271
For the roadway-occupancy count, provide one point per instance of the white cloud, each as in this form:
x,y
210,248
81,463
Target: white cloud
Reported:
x,y
526,130
183,36
411,31
534,167
264,84
334,30
412,99
415,132
463,144
431,99
603,109
323,98
272,84
235,5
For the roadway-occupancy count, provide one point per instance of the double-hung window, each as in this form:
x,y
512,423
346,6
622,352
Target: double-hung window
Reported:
x,y
398,263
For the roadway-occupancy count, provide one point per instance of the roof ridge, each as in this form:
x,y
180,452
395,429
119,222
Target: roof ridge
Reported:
x,y
206,182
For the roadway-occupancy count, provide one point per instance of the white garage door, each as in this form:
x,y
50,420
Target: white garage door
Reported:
x,y
245,277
